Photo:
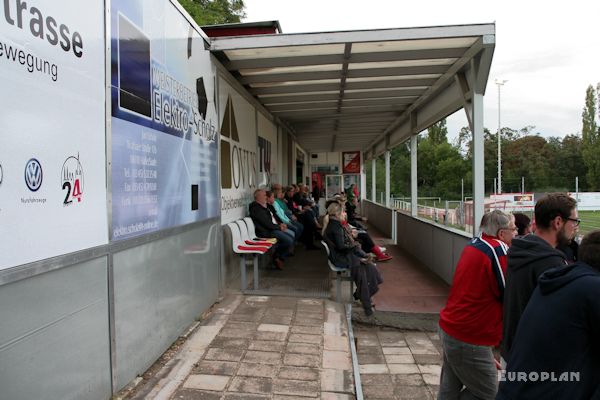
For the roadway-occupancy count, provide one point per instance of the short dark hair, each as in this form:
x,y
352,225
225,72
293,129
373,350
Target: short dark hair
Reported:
x,y
589,249
522,221
269,193
551,206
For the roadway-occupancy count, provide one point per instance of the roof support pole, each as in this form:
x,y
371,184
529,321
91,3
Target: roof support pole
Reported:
x,y
414,208
363,177
478,165
374,180
388,156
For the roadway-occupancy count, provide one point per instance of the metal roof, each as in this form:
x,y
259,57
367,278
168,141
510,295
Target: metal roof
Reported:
x,y
356,90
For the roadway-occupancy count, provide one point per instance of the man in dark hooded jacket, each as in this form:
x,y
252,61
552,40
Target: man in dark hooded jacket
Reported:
x,y
556,350
529,256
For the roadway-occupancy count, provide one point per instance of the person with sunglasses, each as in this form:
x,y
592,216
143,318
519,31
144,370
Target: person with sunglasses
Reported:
x,y
557,224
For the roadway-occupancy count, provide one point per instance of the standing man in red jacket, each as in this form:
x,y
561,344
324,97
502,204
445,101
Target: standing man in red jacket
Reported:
x,y
471,322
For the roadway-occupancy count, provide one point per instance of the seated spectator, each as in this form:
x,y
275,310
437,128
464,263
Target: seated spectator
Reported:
x,y
346,253
363,237
305,216
266,226
558,335
353,217
280,221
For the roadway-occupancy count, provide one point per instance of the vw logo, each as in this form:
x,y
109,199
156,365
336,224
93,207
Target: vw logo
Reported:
x,y
33,174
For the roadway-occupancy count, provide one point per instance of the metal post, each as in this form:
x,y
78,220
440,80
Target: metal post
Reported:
x,y
577,192
388,155
495,188
255,272
478,162
374,181
499,83
243,271
413,176
522,185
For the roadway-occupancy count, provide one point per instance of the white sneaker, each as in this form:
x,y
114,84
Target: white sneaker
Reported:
x,y
383,249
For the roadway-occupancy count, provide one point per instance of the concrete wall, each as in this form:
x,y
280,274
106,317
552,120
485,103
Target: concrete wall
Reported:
x,y
436,246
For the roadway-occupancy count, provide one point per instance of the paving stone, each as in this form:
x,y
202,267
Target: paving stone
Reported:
x,y
304,338
206,382
431,379
396,350
295,387
375,369
430,368
334,342
277,336
376,379
266,345
424,350
310,302
251,385
311,330
391,341
224,354
303,348
428,358
367,341
370,349
336,359
285,397
242,326
302,360
281,312
235,333
262,357
258,299
333,329
192,394
216,368
307,322
230,343
336,380
250,317
403,369
299,373
399,359
312,315
370,358
378,392
277,319
244,396
273,328
408,380
257,370
412,392
336,396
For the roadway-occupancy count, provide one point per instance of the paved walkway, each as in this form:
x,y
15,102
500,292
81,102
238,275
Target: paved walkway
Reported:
x,y
398,365
259,347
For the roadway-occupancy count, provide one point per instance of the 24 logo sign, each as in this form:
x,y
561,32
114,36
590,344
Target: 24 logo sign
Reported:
x,y
72,180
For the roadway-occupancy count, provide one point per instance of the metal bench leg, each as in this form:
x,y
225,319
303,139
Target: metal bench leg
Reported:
x,y
338,286
243,271
255,272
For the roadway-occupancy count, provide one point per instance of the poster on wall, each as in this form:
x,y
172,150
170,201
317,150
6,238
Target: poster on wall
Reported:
x,y
239,159
52,139
351,162
164,121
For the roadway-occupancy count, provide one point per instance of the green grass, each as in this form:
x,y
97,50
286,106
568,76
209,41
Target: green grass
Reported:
x,y
590,220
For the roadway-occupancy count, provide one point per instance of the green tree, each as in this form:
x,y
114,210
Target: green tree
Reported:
x,y
438,132
212,12
591,139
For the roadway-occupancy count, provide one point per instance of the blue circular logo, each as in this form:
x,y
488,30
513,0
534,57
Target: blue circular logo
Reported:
x,y
33,174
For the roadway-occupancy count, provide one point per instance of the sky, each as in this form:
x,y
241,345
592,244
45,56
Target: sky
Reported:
x,y
547,51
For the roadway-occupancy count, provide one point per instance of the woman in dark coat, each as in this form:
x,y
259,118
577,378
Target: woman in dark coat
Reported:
x,y
347,253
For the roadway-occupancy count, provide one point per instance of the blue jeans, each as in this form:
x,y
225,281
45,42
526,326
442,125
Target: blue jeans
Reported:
x,y
297,227
284,244
469,371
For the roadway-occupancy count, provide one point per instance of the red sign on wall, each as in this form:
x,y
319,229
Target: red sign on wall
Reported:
x,y
351,162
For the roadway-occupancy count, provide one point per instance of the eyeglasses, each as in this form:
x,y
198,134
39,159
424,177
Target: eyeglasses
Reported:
x,y
577,221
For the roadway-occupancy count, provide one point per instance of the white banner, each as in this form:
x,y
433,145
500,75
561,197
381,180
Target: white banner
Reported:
x,y
239,160
52,140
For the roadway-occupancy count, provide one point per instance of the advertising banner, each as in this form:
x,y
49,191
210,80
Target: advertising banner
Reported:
x,y
351,162
164,121
239,161
52,129
267,152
